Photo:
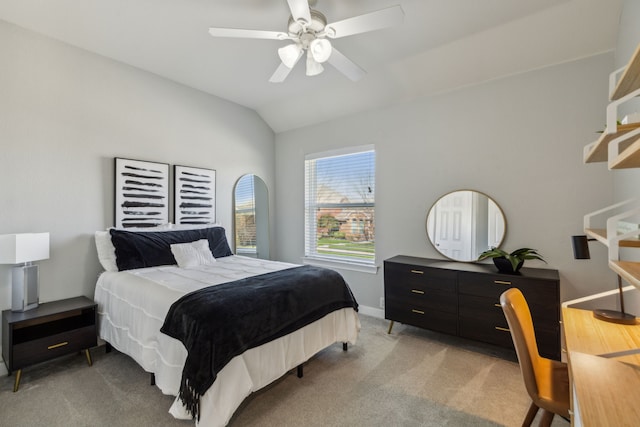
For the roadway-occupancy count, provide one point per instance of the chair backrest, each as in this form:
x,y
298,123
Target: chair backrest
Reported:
x,y
516,310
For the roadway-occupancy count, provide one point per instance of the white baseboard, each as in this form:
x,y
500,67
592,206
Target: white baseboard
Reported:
x,y
371,311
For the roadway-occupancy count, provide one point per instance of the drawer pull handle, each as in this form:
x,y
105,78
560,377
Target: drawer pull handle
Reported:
x,y
502,329
62,344
416,291
497,305
417,272
417,311
501,282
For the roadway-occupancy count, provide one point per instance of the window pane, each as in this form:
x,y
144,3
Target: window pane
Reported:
x,y
346,232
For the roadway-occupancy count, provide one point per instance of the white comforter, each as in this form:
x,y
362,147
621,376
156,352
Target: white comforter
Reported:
x,y
132,306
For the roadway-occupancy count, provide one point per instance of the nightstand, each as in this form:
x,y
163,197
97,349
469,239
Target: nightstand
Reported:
x,y
52,329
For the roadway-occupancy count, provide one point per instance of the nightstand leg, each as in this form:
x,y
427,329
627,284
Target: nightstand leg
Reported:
x,y
16,384
88,357
390,327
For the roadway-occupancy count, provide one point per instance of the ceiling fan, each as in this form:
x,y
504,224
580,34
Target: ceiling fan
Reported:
x,y
309,31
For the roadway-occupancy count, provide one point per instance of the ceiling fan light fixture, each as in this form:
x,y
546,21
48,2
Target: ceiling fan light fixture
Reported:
x,y
290,54
313,68
320,50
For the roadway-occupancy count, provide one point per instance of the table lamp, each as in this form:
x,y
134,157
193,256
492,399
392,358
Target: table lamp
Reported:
x,y
23,249
581,251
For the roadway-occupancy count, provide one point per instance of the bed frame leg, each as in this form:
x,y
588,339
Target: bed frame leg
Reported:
x,y
107,348
344,346
152,378
299,371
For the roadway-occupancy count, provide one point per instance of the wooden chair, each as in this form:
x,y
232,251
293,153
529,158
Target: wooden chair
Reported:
x,y
546,380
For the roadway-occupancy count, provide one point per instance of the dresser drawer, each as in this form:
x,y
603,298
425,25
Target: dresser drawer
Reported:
x,y
427,299
408,277
435,320
541,295
39,350
475,307
486,331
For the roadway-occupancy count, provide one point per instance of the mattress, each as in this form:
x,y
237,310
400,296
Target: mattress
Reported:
x,y
132,306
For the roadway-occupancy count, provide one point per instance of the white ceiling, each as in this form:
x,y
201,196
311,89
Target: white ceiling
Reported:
x,y
442,45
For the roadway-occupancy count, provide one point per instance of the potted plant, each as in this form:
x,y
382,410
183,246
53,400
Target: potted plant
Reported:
x,y
510,262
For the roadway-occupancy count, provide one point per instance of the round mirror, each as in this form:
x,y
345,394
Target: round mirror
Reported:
x,y
463,224
251,217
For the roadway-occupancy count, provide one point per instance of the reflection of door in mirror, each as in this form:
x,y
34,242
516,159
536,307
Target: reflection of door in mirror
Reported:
x,y
463,224
251,217
452,225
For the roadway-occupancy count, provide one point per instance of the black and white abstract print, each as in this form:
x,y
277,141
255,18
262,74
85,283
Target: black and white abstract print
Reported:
x,y
194,195
142,193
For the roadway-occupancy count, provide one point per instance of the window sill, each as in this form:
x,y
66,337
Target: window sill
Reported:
x,y
345,265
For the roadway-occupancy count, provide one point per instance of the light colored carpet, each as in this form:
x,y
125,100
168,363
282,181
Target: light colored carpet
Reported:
x,y
409,378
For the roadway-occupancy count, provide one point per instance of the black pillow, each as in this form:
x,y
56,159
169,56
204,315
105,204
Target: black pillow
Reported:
x,y
152,248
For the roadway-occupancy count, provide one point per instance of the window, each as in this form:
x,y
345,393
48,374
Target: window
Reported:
x,y
340,206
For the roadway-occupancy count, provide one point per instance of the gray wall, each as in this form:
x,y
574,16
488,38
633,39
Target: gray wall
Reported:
x,y
626,181
517,139
66,113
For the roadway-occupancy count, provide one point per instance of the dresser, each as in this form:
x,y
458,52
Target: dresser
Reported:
x,y
463,299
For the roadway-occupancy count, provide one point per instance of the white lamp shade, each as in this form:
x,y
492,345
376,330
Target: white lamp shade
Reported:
x,y
320,49
25,247
313,68
290,54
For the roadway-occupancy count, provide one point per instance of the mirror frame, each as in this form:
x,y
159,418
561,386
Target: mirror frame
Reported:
x,y
429,212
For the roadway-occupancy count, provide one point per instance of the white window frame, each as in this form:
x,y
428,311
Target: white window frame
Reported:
x,y
310,216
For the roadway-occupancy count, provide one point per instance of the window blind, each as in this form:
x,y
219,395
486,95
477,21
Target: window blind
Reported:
x,y
340,205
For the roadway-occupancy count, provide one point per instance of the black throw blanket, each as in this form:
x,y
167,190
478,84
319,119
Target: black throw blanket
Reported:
x,y
217,323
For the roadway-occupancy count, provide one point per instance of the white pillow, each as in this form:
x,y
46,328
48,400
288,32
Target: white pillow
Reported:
x,y
106,251
192,254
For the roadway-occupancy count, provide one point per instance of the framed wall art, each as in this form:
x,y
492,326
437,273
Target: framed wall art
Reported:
x,y
194,195
141,193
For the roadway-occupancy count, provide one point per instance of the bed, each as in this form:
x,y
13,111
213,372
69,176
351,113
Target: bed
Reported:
x,y
134,298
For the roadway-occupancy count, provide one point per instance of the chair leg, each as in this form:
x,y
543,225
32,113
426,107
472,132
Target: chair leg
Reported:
x,y
546,419
531,414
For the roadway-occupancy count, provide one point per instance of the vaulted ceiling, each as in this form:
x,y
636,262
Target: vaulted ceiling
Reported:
x,y
441,45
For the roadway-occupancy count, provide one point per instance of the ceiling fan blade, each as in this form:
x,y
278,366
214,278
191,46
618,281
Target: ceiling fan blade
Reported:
x,y
248,34
300,10
391,16
280,74
346,66
283,71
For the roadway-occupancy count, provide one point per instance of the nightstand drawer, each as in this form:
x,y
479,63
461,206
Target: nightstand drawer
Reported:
x,y
39,350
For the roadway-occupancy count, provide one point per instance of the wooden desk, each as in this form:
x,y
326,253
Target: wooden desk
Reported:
x,y
606,391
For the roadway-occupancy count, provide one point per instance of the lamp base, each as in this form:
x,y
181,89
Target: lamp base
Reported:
x,y
24,292
614,316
